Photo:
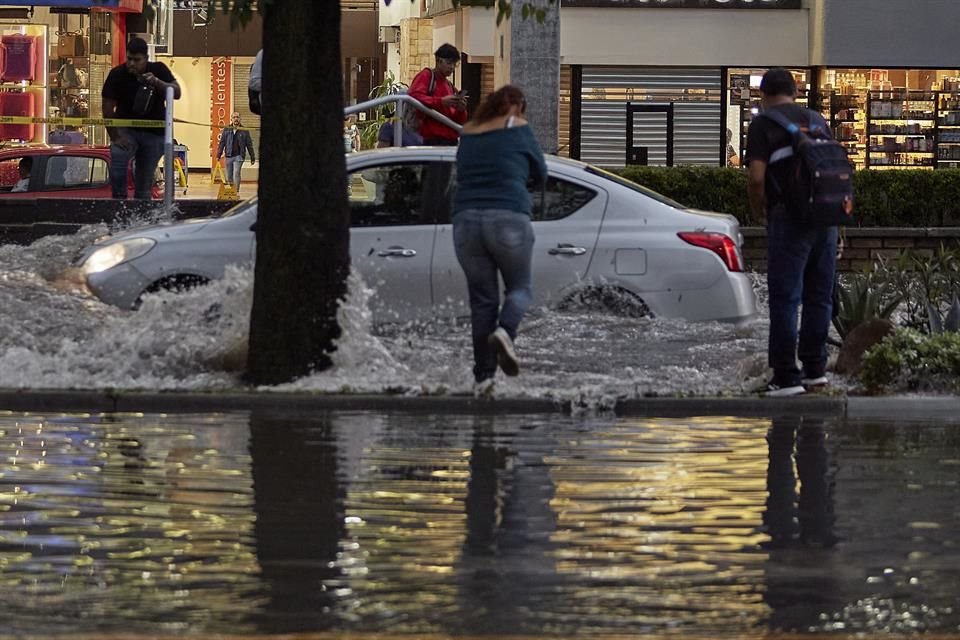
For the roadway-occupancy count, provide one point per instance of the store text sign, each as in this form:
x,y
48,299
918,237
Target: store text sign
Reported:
x,y
221,76
688,4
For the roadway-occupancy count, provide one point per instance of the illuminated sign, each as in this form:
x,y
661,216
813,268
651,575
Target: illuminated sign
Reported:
x,y
221,78
687,4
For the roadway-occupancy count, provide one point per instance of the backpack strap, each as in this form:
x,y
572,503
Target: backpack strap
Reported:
x,y
792,128
433,83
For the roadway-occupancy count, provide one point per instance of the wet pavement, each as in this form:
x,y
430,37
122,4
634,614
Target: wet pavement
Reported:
x,y
532,525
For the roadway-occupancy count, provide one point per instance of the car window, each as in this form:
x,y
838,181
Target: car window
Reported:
x,y
71,172
562,198
9,174
401,194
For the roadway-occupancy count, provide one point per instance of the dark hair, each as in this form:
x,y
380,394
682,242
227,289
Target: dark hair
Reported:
x,y
499,102
778,82
26,162
448,52
137,46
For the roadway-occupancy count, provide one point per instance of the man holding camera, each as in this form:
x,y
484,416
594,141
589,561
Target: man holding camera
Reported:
x,y
433,88
136,90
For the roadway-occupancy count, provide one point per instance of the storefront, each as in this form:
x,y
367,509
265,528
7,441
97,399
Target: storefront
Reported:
x,y
54,56
894,118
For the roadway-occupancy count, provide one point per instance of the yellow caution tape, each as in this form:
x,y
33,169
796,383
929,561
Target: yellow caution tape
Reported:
x,y
217,126
81,122
106,122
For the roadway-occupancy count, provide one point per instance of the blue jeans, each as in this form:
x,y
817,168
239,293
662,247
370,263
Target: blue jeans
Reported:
x,y
801,267
488,241
234,165
147,151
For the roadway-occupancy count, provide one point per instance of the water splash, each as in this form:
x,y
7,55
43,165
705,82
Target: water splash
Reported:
x,y
57,336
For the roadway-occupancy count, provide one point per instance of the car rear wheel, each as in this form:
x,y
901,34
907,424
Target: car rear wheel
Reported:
x,y
611,299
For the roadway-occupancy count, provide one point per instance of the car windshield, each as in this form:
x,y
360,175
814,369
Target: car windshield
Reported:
x,y
242,207
633,186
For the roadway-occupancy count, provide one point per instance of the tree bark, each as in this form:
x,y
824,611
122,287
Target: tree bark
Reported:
x,y
303,226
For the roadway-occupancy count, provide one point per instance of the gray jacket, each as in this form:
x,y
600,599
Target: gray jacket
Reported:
x,y
243,140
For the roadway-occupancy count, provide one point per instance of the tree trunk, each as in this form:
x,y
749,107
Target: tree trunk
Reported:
x,y
303,223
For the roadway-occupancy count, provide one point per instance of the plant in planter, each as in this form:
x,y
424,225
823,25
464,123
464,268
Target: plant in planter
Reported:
x,y
922,282
908,359
863,296
380,115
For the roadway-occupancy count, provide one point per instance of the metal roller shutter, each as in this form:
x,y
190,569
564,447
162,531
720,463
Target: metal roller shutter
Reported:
x,y
241,102
695,94
486,83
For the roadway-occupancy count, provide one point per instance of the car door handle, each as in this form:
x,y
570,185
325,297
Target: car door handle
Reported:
x,y
397,252
567,250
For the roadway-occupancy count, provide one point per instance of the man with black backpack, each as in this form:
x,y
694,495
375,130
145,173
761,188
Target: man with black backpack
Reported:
x,y
800,181
434,90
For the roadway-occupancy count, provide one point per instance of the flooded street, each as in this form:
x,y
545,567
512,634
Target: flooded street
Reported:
x,y
57,337
534,525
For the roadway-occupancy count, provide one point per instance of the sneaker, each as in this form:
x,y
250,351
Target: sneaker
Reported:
x,y
506,356
819,381
773,390
484,389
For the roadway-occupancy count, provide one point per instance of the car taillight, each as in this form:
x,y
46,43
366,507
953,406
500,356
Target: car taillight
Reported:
x,y
719,243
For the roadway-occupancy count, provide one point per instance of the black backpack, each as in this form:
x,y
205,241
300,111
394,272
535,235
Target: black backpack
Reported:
x,y
820,192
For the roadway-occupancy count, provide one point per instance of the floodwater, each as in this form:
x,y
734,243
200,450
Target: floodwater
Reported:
x,y
56,337
534,525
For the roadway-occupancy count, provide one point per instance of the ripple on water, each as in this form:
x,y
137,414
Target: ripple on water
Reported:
x,y
523,525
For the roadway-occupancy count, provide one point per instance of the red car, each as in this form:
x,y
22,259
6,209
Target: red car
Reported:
x,y
59,171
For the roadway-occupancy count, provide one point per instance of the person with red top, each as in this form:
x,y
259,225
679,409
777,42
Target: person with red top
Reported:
x,y
433,88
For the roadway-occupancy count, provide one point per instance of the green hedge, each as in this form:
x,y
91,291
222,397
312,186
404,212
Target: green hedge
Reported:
x,y
884,198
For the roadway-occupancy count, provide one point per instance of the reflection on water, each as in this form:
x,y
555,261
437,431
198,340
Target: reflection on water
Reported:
x,y
475,524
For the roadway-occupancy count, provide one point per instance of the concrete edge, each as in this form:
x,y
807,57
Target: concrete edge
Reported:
x,y
112,401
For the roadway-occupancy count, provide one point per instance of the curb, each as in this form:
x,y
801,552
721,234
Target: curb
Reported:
x,y
110,401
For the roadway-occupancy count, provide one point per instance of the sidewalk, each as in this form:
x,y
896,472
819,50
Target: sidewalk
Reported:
x,y
200,187
856,408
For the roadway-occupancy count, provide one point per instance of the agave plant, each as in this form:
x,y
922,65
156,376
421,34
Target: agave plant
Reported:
x,y
863,297
948,324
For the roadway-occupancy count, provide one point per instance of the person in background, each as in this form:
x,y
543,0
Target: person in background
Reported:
x,y
410,136
801,258
236,142
136,90
492,231
24,167
432,87
733,160
351,135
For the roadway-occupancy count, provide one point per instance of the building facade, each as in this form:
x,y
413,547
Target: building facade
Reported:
x,y
662,81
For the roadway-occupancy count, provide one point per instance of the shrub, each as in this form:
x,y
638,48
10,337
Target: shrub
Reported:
x,y
910,360
908,198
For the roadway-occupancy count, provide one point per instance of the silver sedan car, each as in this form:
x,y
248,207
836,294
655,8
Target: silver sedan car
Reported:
x,y
595,233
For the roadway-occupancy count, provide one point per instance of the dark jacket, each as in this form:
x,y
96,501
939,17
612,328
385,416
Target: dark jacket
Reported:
x,y
244,141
